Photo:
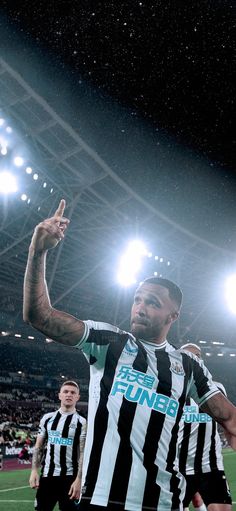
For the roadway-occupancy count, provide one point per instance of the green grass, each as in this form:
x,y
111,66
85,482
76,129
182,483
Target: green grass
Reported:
x,y
15,494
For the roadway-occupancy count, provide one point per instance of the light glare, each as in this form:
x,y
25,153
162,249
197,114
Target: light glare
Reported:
x,y
18,161
131,262
230,293
8,183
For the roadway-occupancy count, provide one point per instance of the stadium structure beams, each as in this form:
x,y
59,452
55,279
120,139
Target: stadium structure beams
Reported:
x,y
104,213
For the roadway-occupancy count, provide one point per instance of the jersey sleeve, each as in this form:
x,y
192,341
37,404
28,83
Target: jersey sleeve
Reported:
x,y
42,429
97,338
201,385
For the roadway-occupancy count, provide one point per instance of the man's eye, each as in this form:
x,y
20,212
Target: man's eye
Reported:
x,y
154,304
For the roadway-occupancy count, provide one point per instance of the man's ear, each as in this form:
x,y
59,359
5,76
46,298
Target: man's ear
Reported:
x,y
174,316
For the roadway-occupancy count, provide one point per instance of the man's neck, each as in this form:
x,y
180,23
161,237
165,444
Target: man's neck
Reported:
x,y
67,409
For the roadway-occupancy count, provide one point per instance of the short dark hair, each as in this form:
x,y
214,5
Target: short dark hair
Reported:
x,y
175,292
70,382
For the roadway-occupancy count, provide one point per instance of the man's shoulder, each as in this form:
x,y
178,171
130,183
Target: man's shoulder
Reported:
x,y
104,327
80,418
49,415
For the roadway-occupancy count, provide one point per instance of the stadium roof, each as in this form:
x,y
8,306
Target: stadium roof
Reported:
x,y
105,212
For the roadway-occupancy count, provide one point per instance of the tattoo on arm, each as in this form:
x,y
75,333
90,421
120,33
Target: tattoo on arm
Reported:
x,y
81,450
37,457
38,311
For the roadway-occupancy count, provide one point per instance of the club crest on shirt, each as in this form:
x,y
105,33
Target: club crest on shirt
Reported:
x,y
130,349
177,368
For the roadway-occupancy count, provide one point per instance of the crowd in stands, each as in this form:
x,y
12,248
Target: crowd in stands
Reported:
x,y
31,373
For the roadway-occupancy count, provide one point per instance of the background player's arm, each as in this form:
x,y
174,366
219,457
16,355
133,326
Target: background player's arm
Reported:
x,y
75,489
224,412
36,462
37,308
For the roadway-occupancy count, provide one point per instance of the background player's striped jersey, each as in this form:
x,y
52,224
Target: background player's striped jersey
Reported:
x,y
61,432
136,398
200,447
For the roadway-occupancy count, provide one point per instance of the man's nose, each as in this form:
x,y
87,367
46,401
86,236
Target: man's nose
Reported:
x,y
141,310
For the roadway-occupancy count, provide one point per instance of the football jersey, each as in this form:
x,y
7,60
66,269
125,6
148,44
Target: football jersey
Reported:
x,y
200,449
136,397
61,432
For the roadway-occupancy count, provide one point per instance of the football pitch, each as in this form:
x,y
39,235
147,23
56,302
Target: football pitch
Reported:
x,y
15,494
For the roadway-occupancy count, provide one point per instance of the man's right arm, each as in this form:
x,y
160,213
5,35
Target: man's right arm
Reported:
x,y
36,462
37,308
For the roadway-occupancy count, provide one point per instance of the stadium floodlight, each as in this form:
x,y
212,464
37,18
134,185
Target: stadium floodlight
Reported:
x,y
23,197
18,161
28,170
230,292
8,183
4,150
131,262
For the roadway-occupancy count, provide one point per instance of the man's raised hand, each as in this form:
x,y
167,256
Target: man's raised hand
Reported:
x,y
50,232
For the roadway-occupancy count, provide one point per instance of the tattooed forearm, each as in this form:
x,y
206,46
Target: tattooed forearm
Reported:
x,y
37,309
37,457
36,298
81,450
220,409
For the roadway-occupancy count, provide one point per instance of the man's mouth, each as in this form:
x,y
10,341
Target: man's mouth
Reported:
x,y
137,321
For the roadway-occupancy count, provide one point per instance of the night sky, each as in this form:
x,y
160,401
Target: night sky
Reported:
x,y
168,65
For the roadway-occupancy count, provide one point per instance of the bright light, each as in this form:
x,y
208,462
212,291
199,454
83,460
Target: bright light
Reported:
x,y
131,262
17,335
8,129
2,121
4,150
230,293
8,183
44,185
220,354
23,197
232,355
35,176
18,160
28,170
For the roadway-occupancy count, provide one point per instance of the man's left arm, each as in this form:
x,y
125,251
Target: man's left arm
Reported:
x,y
224,412
75,489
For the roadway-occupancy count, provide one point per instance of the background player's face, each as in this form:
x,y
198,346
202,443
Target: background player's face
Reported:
x,y
152,312
69,395
193,349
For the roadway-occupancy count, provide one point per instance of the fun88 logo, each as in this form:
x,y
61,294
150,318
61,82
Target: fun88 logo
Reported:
x,y
136,387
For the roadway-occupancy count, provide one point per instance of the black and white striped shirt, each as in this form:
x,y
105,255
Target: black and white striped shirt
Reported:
x,y
200,449
136,398
61,432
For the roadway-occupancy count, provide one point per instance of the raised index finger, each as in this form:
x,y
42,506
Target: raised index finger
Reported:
x,y
60,210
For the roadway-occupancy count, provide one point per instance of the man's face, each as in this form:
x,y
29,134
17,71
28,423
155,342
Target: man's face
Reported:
x,y
69,395
152,312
